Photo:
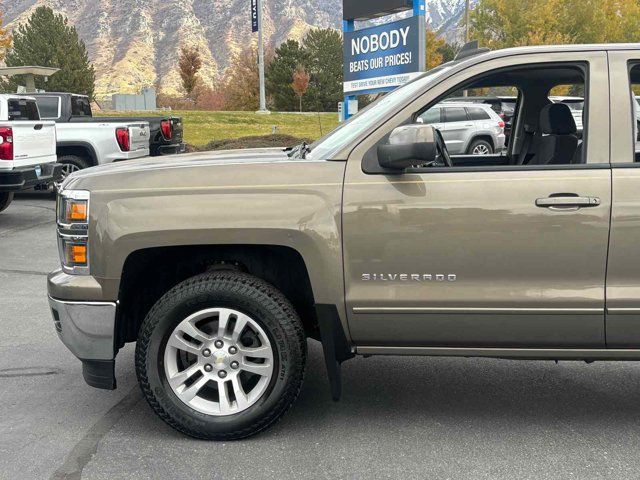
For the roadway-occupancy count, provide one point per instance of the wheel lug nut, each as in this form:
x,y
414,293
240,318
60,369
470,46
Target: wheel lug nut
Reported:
x,y
222,374
235,365
208,368
233,350
219,344
206,352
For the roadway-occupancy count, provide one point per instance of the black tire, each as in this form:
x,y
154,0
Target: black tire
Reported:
x,y
479,143
5,200
74,161
242,292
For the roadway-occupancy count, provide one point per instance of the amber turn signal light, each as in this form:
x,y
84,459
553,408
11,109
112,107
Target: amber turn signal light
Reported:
x,y
78,211
75,254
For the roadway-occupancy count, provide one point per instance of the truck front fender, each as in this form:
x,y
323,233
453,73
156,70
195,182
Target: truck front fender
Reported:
x,y
305,217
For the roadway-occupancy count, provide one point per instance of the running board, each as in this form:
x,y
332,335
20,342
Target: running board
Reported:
x,y
510,353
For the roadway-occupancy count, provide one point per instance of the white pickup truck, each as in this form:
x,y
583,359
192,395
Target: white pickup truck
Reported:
x,y
27,148
84,141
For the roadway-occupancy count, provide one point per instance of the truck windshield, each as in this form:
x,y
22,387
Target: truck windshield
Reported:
x,y
371,116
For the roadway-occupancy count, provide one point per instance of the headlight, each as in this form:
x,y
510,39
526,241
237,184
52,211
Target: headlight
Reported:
x,y
73,231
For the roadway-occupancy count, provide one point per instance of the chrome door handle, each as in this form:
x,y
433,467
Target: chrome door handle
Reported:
x,y
568,201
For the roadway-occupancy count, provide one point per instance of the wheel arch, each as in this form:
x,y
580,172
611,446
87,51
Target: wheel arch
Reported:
x,y
281,266
482,136
79,149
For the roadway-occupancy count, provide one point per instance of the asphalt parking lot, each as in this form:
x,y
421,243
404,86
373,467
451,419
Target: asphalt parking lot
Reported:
x,y
399,417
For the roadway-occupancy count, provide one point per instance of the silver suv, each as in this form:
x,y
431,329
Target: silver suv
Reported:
x,y
467,128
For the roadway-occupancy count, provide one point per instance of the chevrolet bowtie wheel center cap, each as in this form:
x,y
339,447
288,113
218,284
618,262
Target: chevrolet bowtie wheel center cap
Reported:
x,y
220,360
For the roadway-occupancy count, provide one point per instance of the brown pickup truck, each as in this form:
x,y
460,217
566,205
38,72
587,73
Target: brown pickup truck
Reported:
x,y
374,241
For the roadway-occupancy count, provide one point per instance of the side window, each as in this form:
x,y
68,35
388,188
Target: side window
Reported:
x,y
80,107
634,74
49,107
542,112
430,117
455,114
477,113
23,110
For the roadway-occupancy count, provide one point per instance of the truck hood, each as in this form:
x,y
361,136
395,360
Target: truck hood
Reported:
x,y
189,160
202,169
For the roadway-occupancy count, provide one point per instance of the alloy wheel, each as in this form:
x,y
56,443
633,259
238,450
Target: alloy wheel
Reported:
x,y
68,169
218,361
480,149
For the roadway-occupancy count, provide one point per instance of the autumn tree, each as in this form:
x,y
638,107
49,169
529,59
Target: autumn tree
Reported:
x,y
434,45
242,84
300,83
510,23
189,64
47,40
5,38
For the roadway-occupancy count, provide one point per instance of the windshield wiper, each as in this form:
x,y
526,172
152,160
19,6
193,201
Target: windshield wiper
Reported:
x,y
300,151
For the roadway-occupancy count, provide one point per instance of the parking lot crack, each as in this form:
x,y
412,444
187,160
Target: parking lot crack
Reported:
x,y
84,450
22,272
6,233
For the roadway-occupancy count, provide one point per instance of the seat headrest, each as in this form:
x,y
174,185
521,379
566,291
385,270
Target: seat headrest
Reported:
x,y
556,119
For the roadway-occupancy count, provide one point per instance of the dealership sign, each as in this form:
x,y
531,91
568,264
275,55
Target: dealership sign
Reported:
x,y
382,57
365,10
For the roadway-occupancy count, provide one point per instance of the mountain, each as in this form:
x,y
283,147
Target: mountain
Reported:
x,y
135,43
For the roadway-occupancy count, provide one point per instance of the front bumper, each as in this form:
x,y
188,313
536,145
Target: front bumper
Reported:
x,y
28,177
88,330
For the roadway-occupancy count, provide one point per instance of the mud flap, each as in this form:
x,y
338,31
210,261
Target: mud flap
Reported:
x,y
335,345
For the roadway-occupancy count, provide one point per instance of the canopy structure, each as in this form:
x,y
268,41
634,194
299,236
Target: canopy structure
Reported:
x,y
29,73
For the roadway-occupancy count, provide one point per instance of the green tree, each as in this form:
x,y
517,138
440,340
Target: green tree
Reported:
x,y
288,56
47,40
324,64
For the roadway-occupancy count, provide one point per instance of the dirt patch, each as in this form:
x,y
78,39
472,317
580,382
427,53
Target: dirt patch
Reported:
x,y
265,141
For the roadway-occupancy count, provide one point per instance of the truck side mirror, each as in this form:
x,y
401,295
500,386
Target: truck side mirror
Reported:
x,y
409,146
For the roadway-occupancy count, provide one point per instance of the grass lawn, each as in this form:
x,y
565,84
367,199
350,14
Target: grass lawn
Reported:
x,y
201,127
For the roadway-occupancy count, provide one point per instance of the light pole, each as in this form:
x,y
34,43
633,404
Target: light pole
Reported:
x,y
466,21
263,95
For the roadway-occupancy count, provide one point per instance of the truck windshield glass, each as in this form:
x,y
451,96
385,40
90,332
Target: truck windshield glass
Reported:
x,y
25,110
372,115
80,107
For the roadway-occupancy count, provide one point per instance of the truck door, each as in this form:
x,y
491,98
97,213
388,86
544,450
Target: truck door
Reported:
x,y
623,272
491,256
